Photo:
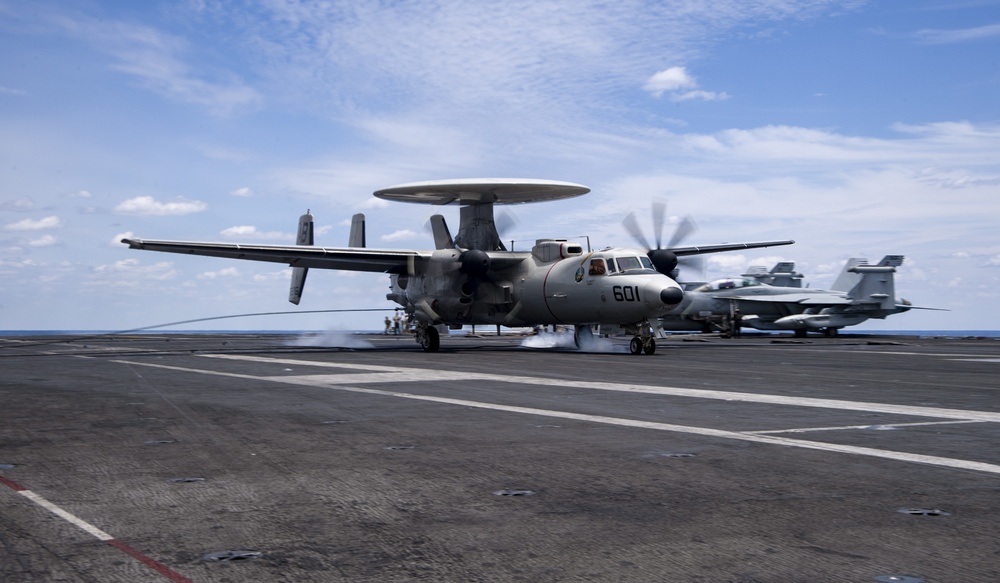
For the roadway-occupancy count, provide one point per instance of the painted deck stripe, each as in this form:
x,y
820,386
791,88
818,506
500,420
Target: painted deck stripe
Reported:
x,y
423,374
333,382
868,426
97,533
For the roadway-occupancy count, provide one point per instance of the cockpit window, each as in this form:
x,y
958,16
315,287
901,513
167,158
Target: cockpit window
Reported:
x,y
728,283
627,263
611,265
597,267
646,262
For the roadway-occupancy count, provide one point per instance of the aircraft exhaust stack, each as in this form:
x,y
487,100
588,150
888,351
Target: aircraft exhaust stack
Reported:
x,y
305,237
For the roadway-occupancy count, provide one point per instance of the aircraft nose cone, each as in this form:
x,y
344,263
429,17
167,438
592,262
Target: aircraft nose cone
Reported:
x,y
671,295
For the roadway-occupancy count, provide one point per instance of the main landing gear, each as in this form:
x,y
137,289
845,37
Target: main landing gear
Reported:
x,y
428,337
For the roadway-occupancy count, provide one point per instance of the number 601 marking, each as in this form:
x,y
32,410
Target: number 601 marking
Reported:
x,y
626,293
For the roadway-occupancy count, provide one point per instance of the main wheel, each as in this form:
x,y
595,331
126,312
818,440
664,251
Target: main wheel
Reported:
x,y
650,346
583,336
635,346
431,340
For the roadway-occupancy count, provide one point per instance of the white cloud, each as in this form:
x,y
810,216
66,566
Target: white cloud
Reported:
x,y
681,86
670,79
148,206
241,192
251,232
51,222
44,241
21,204
958,35
226,272
157,59
273,276
160,271
400,235
699,94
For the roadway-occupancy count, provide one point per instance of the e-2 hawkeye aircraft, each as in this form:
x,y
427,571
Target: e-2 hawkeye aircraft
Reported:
x,y
861,291
473,279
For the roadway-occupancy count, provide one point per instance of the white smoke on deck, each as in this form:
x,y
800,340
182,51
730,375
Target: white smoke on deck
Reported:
x,y
331,338
564,340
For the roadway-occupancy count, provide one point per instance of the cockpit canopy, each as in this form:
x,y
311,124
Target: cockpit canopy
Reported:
x,y
602,264
729,283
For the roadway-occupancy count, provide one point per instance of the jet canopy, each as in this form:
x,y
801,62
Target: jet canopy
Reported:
x,y
729,283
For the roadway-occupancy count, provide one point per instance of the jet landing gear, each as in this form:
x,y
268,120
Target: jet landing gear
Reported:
x,y
643,341
428,337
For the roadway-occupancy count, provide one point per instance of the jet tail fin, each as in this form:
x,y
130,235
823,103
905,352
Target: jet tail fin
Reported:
x,y
877,283
848,279
304,237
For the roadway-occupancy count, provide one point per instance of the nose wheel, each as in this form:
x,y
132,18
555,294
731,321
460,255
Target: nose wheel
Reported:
x,y
643,342
639,345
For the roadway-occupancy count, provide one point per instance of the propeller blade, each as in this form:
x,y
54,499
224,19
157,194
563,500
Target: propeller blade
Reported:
x,y
683,231
659,212
505,221
692,264
631,225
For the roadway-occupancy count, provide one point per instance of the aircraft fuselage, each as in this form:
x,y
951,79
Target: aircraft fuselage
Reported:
x,y
557,283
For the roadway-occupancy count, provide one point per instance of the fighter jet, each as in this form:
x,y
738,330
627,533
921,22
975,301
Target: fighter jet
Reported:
x,y
861,291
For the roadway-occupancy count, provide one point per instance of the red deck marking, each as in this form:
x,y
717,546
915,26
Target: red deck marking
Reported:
x,y
12,484
152,564
87,527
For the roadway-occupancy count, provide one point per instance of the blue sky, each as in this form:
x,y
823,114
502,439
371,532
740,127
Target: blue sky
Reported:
x,y
859,129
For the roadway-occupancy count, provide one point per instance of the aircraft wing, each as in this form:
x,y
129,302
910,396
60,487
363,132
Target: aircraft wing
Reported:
x,y
346,258
817,299
679,251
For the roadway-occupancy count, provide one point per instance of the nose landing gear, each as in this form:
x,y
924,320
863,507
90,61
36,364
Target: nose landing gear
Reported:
x,y
643,341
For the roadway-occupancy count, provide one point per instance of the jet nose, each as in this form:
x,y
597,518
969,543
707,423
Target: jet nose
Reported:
x,y
671,296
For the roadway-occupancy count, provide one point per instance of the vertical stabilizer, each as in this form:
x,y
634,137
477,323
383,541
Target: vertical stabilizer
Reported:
x,y
892,260
848,278
357,237
442,236
304,237
877,286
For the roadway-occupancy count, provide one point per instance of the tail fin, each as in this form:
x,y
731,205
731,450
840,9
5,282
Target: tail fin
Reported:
x,y
892,260
304,237
442,236
783,274
357,238
848,278
878,283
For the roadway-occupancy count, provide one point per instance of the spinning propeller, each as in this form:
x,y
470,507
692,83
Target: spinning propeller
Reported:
x,y
664,260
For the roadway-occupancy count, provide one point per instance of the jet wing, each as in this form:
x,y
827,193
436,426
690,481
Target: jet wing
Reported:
x,y
346,258
819,299
680,251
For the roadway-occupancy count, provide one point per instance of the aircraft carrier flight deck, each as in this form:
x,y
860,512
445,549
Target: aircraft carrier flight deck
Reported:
x,y
257,457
